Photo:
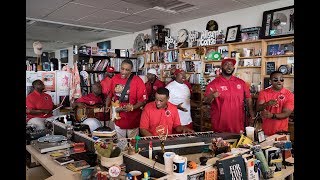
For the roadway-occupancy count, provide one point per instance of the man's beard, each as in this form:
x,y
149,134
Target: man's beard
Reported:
x,y
226,73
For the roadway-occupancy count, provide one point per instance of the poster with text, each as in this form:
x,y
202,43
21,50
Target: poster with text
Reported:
x,y
48,79
63,83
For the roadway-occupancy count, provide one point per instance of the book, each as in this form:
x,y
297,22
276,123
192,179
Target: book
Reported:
x,y
252,169
77,165
232,168
64,160
104,133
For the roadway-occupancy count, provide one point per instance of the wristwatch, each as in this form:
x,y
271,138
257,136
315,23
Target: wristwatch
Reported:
x,y
274,116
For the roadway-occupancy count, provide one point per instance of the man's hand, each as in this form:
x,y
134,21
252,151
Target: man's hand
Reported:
x,y
179,106
266,114
185,129
272,102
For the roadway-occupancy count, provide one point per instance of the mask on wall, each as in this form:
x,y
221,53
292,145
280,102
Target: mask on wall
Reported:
x,y
37,47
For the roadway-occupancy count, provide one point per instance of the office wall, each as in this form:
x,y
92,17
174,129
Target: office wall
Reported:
x,y
248,17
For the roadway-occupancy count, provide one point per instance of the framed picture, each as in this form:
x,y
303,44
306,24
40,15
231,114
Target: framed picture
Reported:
x,y
233,34
261,136
278,22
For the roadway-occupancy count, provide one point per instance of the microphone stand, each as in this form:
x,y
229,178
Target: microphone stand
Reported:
x,y
104,127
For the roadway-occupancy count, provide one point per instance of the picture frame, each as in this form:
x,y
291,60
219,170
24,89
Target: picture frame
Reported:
x,y
261,136
233,34
278,22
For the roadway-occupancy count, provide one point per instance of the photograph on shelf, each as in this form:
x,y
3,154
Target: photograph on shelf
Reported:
x,y
250,34
103,48
287,49
270,67
273,49
208,69
233,34
64,56
278,22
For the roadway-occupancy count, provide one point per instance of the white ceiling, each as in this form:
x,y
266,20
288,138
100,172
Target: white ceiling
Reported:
x,y
62,23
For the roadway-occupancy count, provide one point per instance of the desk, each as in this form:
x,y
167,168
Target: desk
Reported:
x,y
57,171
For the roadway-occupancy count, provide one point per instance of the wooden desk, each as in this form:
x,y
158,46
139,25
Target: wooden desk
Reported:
x,y
57,171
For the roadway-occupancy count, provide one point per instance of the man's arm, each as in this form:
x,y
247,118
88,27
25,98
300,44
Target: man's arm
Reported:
x,y
250,107
145,132
261,104
284,114
38,111
183,129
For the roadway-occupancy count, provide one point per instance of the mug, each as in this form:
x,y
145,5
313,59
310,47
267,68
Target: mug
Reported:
x,y
179,164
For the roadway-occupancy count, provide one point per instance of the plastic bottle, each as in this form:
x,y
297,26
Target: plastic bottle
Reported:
x,y
51,66
59,65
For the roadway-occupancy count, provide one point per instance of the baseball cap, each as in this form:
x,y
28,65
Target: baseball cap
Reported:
x,y
228,59
177,71
152,71
110,69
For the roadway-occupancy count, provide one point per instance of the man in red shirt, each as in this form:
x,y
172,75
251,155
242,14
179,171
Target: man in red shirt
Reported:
x,y
130,105
105,83
275,104
92,100
152,84
161,112
39,105
227,95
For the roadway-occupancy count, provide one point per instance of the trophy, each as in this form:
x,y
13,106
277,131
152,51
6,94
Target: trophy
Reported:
x,y
162,132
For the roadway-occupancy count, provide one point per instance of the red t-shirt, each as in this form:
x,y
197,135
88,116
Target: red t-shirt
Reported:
x,y
92,99
227,110
105,84
136,93
157,84
35,101
152,117
285,99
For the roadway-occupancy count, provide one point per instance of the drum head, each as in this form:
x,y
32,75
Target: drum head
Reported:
x,y
93,123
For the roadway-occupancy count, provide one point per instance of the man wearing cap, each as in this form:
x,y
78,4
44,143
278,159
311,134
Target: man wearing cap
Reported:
x,y
105,83
152,84
173,77
180,96
227,95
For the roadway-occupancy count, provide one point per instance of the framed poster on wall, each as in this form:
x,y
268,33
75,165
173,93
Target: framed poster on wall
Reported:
x,y
278,22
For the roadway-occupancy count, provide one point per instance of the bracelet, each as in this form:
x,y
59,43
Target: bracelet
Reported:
x,y
274,116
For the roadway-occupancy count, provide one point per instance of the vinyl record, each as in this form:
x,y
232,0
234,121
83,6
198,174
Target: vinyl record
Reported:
x,y
279,19
212,25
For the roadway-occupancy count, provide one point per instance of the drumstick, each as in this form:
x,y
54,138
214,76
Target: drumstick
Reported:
x,y
58,106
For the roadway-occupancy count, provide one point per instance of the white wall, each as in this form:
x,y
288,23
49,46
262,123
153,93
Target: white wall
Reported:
x,y
248,17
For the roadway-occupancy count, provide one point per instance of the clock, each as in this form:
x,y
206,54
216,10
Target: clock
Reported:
x,y
182,35
139,43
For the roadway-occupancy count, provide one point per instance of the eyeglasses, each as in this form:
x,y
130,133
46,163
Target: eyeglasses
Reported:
x,y
276,80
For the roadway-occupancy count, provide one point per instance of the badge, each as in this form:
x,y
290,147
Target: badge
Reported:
x,y
114,171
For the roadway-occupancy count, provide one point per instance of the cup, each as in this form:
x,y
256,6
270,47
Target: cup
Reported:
x,y
168,161
136,175
250,132
179,164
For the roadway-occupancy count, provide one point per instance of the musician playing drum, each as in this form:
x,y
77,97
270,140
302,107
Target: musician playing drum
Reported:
x,y
161,112
90,101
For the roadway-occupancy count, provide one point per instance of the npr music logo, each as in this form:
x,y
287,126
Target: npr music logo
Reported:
x,y
235,172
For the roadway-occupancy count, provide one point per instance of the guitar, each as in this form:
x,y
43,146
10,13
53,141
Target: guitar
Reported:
x,y
83,113
114,115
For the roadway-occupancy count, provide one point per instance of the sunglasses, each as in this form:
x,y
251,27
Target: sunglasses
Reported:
x,y
276,80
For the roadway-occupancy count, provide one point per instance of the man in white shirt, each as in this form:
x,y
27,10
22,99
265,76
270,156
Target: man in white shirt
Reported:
x,y
180,96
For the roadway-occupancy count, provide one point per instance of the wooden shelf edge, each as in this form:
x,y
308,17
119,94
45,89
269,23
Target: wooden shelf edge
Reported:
x,y
277,56
250,57
247,42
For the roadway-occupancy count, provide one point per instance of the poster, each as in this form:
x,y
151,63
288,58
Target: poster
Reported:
x,y
48,79
63,83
